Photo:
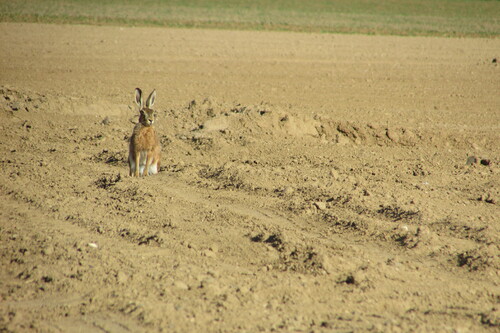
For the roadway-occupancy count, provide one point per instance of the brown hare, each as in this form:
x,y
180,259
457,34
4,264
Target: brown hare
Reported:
x,y
144,149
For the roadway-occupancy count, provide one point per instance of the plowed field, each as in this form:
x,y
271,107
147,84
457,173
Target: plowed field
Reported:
x,y
309,182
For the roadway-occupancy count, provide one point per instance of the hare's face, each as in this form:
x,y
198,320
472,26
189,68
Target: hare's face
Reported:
x,y
147,117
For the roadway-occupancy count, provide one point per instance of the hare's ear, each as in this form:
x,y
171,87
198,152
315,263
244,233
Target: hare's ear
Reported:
x,y
138,97
151,99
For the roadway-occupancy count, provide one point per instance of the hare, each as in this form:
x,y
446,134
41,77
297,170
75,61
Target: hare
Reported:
x,y
144,150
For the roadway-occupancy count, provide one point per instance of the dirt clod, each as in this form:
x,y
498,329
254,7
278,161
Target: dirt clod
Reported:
x,y
485,162
471,160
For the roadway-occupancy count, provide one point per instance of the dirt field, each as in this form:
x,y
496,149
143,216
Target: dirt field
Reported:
x,y
309,182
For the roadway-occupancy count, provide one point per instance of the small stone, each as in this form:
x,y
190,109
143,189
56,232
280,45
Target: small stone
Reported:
x,y
471,160
320,205
488,198
424,233
48,250
121,277
243,290
392,135
211,285
342,140
15,106
181,285
335,174
47,279
288,190
213,273
326,263
409,136
485,162
106,121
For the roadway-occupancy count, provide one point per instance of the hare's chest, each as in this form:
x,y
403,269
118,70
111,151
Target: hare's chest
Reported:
x,y
145,139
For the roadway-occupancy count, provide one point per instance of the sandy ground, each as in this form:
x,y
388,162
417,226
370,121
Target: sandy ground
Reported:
x,y
309,182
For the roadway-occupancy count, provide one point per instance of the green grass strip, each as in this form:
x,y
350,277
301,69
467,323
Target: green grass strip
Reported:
x,y
455,18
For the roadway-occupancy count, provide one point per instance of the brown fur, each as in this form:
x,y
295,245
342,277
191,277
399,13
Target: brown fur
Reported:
x,y
144,140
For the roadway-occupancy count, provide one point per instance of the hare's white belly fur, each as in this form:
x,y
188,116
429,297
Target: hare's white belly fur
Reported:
x,y
153,168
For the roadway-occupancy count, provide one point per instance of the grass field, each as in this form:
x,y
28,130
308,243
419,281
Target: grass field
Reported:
x,y
403,17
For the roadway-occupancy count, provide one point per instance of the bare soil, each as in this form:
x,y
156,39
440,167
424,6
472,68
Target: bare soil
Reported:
x,y
309,182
